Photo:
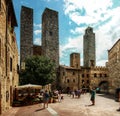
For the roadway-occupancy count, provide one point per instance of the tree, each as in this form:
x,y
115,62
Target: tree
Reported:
x,y
38,70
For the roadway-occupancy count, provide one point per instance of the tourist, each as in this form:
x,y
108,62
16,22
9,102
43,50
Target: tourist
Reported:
x,y
119,101
92,96
59,95
73,94
46,98
78,93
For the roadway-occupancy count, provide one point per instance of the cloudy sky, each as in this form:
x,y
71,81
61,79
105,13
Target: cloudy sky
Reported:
x,y
74,17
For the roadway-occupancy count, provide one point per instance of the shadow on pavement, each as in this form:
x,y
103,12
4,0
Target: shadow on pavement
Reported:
x,y
39,109
89,105
109,96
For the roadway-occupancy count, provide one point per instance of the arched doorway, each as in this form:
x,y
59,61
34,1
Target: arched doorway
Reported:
x,y
104,85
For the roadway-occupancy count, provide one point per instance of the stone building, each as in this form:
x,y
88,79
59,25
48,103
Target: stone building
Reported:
x,y
50,35
8,55
76,76
114,66
89,48
26,35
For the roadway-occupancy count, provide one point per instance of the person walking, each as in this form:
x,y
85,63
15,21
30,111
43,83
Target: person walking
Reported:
x,y
93,96
46,98
59,96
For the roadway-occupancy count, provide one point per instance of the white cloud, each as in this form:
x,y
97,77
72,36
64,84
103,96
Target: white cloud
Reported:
x,y
101,63
37,25
87,11
37,32
104,20
73,44
37,41
77,30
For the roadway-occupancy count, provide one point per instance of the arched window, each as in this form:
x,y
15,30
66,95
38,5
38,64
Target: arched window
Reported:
x,y
68,80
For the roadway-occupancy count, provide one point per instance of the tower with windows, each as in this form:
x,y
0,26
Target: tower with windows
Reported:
x,y
26,33
50,35
89,48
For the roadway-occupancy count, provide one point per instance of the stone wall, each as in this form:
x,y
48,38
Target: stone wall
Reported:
x,y
114,66
8,56
37,50
75,60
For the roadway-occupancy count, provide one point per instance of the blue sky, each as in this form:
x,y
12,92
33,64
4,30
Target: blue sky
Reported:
x,y
74,17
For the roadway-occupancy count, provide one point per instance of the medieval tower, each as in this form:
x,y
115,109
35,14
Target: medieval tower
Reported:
x,y
89,48
26,35
75,60
50,35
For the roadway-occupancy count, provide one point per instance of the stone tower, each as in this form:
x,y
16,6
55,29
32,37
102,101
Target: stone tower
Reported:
x,y
26,35
89,48
75,60
50,35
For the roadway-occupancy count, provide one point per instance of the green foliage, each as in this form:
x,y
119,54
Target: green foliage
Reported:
x,y
38,70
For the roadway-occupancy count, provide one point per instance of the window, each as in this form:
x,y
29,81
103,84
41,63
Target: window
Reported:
x,y
87,75
10,64
105,75
17,68
74,80
87,81
50,33
83,75
82,81
73,73
95,75
63,73
100,75
68,80
92,62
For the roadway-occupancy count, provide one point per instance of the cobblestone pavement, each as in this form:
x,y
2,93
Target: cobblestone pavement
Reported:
x,y
71,107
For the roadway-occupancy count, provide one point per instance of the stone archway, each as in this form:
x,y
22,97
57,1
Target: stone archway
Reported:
x,y
104,85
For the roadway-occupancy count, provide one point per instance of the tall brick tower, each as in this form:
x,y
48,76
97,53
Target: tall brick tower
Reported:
x,y
26,35
89,48
75,60
50,35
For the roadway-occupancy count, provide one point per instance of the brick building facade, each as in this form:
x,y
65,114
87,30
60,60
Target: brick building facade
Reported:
x,y
8,55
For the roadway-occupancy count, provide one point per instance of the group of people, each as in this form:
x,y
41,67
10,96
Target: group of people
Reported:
x,y
47,95
77,93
